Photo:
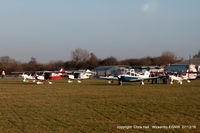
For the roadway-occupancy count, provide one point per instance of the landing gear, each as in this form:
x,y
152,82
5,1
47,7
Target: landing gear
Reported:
x,y
69,81
110,82
50,83
39,83
120,82
142,82
25,80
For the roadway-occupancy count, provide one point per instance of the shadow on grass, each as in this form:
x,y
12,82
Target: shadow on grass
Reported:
x,y
16,83
114,84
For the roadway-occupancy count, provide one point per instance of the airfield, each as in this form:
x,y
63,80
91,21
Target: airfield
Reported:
x,y
95,106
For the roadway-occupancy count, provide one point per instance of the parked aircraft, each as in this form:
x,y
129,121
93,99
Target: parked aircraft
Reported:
x,y
178,76
130,76
109,78
179,79
135,77
41,76
28,76
49,75
78,75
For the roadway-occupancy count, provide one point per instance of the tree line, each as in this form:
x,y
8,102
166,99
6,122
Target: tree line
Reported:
x,y
82,59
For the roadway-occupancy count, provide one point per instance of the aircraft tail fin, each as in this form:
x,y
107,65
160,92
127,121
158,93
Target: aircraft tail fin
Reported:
x,y
62,71
147,74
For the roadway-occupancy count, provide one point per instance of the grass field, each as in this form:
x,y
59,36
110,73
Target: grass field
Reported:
x,y
95,106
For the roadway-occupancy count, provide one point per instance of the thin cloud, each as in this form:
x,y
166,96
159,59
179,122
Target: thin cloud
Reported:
x,y
150,6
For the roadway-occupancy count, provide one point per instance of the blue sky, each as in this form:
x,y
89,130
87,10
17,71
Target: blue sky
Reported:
x,y
51,29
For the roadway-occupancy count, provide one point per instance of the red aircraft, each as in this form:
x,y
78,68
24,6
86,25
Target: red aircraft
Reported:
x,y
49,75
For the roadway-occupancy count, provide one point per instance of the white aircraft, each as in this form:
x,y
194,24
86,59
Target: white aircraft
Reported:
x,y
129,76
179,79
109,78
181,76
28,76
134,77
42,76
189,74
78,75
49,75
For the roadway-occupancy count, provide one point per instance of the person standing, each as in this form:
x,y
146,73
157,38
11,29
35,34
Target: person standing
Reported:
x,y
3,74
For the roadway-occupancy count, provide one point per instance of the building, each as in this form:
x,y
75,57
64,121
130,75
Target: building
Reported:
x,y
181,68
110,70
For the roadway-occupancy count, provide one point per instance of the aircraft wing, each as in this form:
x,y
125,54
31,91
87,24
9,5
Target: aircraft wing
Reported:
x,y
174,72
142,79
26,72
108,77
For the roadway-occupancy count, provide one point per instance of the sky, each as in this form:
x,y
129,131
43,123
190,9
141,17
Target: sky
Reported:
x,y
50,30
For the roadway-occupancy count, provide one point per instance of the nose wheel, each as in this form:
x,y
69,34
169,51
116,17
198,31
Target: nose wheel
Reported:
x,y
142,82
50,83
69,81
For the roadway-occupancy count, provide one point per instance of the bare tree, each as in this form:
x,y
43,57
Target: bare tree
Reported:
x,y
6,60
80,55
93,61
109,61
197,55
9,65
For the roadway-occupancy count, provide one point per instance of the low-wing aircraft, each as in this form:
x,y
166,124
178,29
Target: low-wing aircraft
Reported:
x,y
181,76
130,76
78,75
135,77
178,76
109,78
179,79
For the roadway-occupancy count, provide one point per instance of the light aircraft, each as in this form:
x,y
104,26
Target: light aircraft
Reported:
x,y
181,76
78,75
28,76
49,75
130,76
109,78
179,79
178,76
41,76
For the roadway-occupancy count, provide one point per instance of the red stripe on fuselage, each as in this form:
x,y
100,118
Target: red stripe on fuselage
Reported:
x,y
54,78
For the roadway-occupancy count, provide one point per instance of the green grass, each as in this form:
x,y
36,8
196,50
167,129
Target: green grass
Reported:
x,y
95,106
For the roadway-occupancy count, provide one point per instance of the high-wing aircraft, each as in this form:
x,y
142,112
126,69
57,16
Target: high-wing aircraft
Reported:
x,y
41,76
78,75
28,76
49,75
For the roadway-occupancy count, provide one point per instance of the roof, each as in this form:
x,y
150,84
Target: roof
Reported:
x,y
106,68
